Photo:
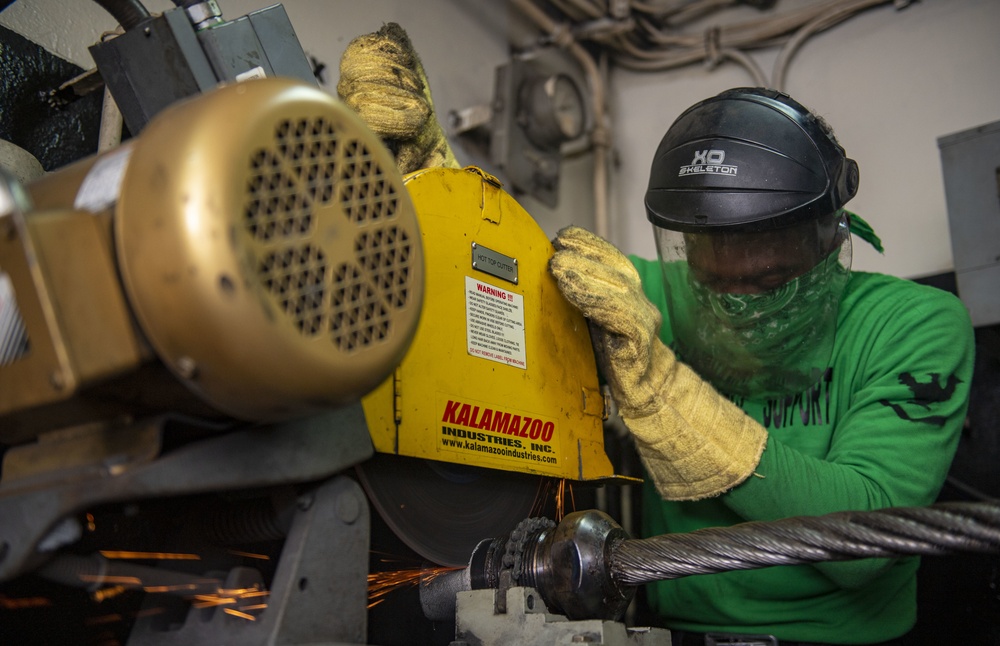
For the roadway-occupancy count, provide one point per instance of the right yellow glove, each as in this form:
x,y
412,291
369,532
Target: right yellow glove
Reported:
x,y
382,79
694,442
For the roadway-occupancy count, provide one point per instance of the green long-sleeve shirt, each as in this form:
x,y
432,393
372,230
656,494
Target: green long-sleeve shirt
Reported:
x,y
880,430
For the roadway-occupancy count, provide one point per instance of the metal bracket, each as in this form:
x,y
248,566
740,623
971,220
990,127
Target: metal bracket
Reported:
x,y
528,622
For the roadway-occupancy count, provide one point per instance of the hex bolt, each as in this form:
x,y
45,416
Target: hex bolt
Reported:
x,y
186,367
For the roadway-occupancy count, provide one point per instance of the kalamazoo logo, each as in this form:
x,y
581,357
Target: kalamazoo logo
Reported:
x,y
708,162
497,421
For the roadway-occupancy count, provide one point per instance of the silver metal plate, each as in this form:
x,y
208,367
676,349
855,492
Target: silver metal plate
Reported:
x,y
494,263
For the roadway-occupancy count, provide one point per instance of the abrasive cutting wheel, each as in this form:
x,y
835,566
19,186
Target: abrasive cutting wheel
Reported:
x,y
441,510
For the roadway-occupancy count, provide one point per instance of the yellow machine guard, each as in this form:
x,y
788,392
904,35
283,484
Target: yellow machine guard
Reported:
x,y
501,372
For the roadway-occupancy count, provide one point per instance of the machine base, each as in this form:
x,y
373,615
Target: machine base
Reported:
x,y
528,622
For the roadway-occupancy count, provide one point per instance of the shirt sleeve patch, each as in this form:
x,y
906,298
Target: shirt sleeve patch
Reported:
x,y
925,395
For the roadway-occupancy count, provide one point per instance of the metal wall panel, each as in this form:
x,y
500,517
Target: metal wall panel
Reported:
x,y
970,162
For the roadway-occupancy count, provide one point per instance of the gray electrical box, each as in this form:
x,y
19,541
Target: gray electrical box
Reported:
x,y
165,59
970,161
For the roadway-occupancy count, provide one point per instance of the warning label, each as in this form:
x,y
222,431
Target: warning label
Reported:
x,y
494,323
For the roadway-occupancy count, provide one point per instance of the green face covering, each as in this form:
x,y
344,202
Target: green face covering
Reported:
x,y
769,343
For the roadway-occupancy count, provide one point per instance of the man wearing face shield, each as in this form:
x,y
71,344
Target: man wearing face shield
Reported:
x,y
761,378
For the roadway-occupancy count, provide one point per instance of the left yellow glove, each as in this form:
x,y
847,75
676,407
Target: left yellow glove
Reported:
x,y
694,442
382,79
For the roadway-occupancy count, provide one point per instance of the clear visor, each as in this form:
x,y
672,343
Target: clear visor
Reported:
x,y
755,313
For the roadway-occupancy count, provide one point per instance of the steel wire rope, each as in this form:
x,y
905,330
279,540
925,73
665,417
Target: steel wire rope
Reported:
x,y
903,531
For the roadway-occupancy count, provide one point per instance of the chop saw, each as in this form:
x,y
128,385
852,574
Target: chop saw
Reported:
x,y
240,330
498,394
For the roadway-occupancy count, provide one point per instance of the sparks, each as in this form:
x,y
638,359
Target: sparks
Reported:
x,y
19,603
254,593
237,613
561,499
225,597
542,497
155,589
235,592
382,583
207,601
250,555
107,593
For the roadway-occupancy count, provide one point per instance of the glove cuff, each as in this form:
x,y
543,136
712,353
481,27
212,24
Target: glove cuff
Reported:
x,y
698,444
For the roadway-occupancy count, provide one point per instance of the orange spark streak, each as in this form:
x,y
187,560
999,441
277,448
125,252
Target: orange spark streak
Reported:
x,y
255,593
237,592
107,593
166,556
153,589
561,500
541,495
237,613
19,603
207,601
250,555
259,606
223,597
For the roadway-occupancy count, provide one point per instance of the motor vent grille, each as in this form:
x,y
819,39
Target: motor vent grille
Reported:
x,y
296,277
313,164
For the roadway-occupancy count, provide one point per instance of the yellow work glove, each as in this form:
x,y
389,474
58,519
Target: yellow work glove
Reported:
x,y
694,442
381,79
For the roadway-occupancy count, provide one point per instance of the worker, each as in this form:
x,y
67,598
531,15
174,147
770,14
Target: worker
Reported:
x,y
759,376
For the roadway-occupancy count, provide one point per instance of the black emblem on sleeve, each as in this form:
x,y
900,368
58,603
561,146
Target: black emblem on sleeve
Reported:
x,y
924,395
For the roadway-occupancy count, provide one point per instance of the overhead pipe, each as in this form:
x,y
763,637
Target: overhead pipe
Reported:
x,y
128,13
601,134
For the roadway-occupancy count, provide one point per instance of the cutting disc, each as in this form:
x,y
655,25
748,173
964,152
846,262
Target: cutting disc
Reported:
x,y
442,510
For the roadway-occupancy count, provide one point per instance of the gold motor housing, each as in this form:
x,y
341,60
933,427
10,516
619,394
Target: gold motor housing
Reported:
x,y
258,239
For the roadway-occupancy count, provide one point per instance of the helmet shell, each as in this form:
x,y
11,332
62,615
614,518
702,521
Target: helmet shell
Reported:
x,y
751,159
